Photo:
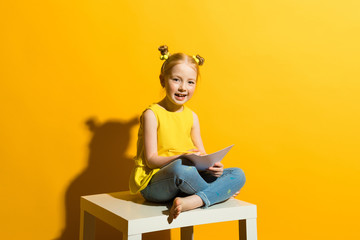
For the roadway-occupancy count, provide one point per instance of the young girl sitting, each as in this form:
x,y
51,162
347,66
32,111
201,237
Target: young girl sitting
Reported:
x,y
169,128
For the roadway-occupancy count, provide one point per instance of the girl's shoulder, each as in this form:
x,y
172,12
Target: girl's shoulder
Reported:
x,y
159,111
151,108
148,116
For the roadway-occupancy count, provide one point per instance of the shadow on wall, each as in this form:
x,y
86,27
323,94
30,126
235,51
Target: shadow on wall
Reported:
x,y
108,170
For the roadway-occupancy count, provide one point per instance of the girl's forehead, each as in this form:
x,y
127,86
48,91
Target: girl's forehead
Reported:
x,y
184,68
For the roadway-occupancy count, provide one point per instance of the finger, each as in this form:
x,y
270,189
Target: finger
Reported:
x,y
215,169
194,150
216,173
219,164
219,167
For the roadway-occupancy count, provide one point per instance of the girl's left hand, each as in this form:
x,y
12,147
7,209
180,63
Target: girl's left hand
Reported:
x,y
216,170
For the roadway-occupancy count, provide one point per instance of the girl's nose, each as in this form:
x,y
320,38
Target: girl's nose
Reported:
x,y
182,87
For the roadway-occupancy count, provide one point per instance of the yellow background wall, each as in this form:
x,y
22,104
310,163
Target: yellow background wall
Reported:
x,y
280,81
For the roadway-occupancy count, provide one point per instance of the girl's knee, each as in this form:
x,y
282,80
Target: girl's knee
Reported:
x,y
239,174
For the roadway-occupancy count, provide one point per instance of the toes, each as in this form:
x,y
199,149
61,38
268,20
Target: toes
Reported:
x,y
177,211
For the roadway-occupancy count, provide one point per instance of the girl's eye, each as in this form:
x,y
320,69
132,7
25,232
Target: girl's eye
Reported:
x,y
175,79
191,82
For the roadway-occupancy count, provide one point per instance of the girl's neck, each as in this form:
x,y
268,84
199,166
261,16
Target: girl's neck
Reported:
x,y
169,106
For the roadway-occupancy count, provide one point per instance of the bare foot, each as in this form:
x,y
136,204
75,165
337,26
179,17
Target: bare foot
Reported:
x,y
185,204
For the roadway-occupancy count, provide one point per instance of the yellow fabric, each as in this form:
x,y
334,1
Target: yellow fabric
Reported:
x,y
174,133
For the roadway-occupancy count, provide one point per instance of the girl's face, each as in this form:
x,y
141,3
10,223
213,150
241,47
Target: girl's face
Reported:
x,y
180,84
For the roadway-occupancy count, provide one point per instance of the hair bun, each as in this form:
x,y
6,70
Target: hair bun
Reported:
x,y
201,60
164,50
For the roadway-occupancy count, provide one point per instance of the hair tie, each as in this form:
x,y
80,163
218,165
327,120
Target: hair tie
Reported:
x,y
164,57
164,52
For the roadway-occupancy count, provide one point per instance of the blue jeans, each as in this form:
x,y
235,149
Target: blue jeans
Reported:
x,y
179,178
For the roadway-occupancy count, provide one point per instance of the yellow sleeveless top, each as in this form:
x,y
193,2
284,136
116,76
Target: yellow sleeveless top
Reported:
x,y
173,133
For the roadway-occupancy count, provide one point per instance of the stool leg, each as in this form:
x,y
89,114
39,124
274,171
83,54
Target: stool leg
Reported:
x,y
248,229
251,229
132,237
87,226
242,229
187,233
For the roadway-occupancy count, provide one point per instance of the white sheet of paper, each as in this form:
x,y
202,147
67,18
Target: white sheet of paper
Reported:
x,y
205,161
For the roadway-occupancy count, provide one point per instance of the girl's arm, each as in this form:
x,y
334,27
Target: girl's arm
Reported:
x,y
153,160
196,136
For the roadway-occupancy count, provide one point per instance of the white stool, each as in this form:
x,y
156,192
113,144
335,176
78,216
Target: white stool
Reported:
x,y
132,215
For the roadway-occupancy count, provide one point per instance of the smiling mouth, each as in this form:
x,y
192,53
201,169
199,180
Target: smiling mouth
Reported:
x,y
180,95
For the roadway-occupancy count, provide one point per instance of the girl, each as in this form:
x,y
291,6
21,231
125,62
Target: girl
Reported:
x,y
169,128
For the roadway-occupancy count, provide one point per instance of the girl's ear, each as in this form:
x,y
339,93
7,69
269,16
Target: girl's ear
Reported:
x,y
162,80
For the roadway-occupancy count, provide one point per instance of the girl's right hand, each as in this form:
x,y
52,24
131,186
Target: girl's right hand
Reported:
x,y
194,151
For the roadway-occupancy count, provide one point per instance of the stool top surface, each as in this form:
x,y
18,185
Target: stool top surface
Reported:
x,y
133,207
